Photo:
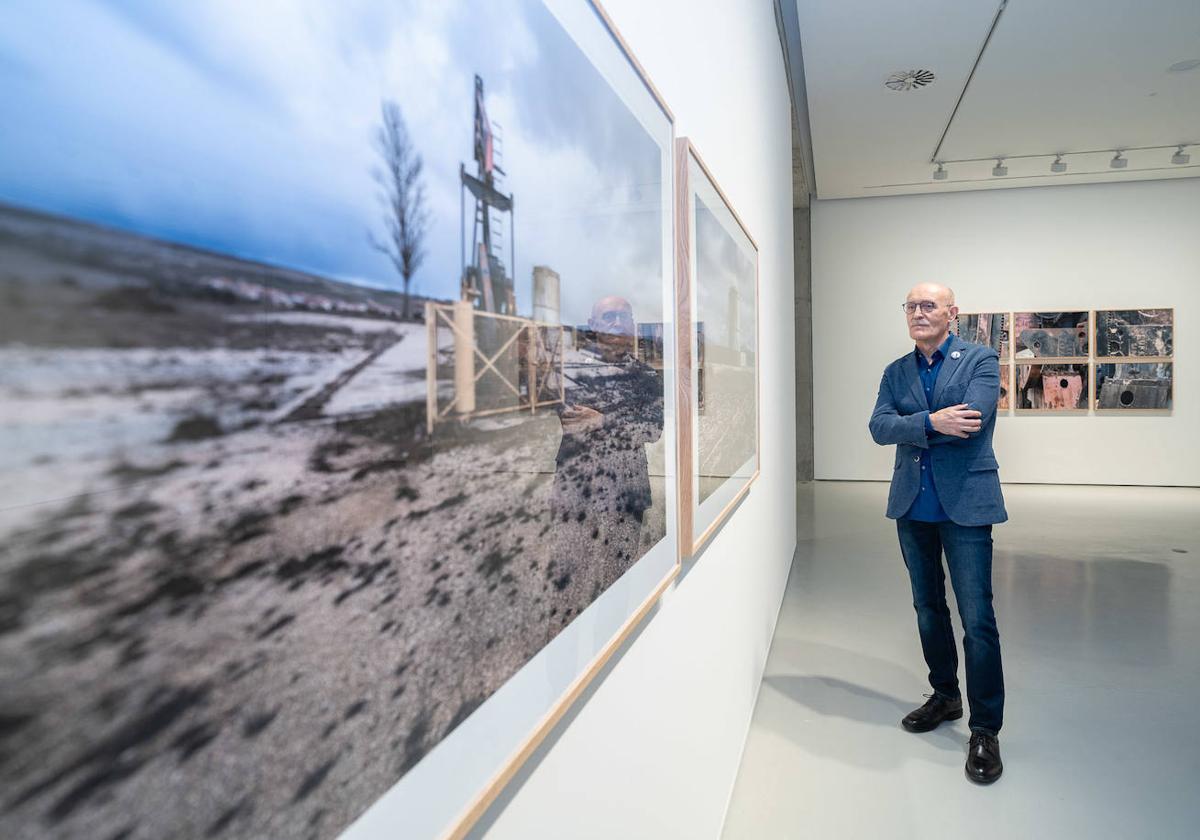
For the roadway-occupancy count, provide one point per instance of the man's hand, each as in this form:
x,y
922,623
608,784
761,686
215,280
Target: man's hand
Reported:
x,y
579,419
956,420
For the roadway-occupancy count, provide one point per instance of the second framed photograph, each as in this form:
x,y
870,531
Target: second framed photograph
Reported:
x,y
717,336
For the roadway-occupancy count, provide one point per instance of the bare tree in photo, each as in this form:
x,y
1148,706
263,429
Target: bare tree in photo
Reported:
x,y
406,219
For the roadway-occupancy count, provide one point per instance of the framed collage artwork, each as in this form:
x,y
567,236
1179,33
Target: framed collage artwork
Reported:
x,y
1111,361
1050,361
1135,371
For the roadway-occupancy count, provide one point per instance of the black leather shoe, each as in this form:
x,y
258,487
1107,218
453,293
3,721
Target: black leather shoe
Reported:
x,y
936,709
983,759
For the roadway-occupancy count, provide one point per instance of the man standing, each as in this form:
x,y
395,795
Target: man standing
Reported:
x,y
937,405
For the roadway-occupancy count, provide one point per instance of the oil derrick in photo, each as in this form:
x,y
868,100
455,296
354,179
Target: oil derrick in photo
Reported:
x,y
497,361
485,281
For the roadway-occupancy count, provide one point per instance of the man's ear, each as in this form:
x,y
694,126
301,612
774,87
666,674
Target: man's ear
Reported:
x,y
953,311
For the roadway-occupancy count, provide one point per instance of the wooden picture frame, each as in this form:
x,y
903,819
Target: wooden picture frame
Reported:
x,y
1057,339
701,513
1164,356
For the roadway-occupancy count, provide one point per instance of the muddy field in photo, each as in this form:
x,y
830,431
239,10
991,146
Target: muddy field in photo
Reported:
x,y
242,591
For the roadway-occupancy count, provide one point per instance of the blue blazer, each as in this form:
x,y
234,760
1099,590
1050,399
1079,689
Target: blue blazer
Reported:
x,y
965,471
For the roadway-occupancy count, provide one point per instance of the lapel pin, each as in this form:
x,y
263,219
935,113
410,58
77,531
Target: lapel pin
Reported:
x,y
956,354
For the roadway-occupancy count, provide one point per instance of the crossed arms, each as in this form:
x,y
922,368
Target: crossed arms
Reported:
x,y
953,424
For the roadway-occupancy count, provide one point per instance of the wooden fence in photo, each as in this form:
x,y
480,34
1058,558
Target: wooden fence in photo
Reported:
x,y
480,363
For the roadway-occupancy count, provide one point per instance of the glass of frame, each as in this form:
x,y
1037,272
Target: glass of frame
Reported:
x,y
717,277
281,557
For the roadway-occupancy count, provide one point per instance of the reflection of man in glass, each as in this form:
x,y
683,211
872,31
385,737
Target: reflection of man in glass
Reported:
x,y
612,321
602,480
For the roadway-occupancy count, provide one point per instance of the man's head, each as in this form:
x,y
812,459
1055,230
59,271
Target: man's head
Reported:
x,y
612,320
929,308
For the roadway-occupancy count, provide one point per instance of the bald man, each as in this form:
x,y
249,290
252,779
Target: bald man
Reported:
x,y
937,406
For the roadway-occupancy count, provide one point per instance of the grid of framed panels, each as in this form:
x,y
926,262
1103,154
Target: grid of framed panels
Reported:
x,y
1115,361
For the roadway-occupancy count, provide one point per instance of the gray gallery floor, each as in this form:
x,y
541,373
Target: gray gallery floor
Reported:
x,y
1097,593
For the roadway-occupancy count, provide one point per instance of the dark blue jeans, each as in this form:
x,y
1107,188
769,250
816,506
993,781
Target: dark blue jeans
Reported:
x,y
969,556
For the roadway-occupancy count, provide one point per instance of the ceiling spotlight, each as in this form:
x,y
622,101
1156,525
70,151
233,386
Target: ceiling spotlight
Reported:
x,y
1178,158
999,169
940,174
1118,162
1058,165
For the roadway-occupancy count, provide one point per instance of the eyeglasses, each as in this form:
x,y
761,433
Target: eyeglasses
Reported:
x,y
925,306
615,317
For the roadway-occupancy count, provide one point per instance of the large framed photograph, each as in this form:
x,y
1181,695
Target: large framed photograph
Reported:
x,y
1132,333
1134,386
717,289
1052,335
1052,386
338,423
989,329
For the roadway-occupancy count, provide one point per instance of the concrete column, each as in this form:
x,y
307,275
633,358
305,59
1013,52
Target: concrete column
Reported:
x,y
802,248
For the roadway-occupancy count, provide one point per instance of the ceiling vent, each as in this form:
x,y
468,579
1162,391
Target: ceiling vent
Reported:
x,y
909,79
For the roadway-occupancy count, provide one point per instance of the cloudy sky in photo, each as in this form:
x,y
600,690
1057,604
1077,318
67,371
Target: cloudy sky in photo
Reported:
x,y
721,265
246,128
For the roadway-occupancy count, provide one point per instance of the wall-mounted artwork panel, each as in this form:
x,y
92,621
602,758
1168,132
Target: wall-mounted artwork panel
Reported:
x,y
1005,402
717,277
989,329
1135,333
1054,335
1132,386
337,427
1051,386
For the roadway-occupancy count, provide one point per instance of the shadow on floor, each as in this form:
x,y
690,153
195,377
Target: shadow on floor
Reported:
x,y
862,702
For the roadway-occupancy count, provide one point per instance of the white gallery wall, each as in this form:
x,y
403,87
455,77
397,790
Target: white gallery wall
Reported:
x,y
654,750
1095,246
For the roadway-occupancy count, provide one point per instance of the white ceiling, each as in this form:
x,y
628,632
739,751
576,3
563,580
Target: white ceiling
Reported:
x,y
1057,75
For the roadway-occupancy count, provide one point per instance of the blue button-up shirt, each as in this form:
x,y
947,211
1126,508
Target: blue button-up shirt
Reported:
x,y
927,507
